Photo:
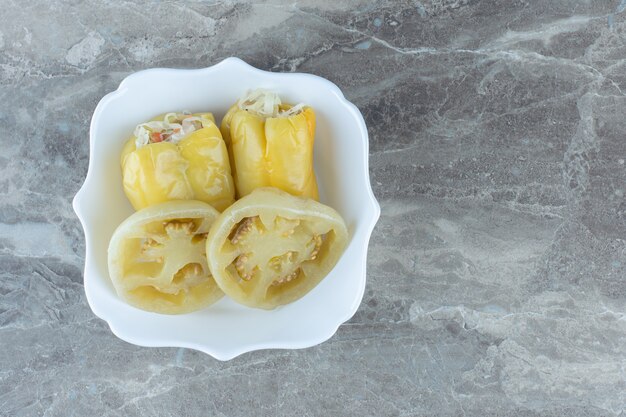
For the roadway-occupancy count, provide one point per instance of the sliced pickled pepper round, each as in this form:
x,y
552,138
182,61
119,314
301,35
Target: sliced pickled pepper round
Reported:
x,y
157,258
271,248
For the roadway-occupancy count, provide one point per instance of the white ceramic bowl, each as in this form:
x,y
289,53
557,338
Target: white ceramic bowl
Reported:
x,y
226,329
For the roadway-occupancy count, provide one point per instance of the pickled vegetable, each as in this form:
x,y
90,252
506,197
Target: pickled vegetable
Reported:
x,y
157,258
177,156
271,248
271,145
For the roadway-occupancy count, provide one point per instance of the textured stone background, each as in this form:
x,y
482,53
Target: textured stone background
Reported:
x,y
496,281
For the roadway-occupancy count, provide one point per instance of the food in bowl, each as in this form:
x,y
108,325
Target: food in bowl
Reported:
x,y
157,258
227,329
270,144
177,156
271,248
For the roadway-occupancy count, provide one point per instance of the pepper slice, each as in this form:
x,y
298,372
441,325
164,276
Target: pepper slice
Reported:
x,y
177,160
271,248
157,258
271,144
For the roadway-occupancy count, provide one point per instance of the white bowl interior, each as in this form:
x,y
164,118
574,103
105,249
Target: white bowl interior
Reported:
x,y
227,329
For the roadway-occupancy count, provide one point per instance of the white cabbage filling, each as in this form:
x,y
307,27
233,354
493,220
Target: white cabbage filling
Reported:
x,y
173,128
267,104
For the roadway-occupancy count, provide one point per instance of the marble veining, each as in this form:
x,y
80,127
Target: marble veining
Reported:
x,y
496,275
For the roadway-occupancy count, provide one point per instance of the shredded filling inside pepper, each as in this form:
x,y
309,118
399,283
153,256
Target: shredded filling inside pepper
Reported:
x,y
268,104
173,128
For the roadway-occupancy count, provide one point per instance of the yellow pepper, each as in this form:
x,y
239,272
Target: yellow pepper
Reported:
x,y
271,145
271,248
177,157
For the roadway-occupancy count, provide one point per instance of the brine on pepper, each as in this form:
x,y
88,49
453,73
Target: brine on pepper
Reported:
x,y
177,156
271,145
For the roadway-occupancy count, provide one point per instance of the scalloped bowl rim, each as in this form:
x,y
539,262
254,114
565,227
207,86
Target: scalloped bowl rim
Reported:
x,y
369,219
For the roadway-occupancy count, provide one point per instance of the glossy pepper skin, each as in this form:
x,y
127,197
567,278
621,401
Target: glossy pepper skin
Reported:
x,y
271,151
195,168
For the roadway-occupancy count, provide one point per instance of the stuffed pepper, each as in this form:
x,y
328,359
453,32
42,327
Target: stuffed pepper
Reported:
x,y
178,156
271,144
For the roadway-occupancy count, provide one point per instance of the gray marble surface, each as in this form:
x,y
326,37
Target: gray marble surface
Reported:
x,y
496,275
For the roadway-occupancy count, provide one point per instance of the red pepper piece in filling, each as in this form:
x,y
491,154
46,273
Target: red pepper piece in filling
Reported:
x,y
156,137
